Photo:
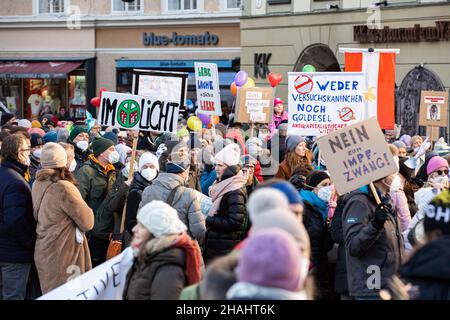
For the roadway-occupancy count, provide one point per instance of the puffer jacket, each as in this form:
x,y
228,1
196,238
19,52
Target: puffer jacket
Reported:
x,y
185,202
428,269
17,224
158,273
367,247
134,198
228,226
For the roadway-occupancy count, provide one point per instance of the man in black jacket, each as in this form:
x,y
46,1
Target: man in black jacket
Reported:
x,y
373,241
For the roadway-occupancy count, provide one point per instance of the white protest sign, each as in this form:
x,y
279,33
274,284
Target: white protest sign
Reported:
x,y
208,90
323,102
105,282
133,112
357,155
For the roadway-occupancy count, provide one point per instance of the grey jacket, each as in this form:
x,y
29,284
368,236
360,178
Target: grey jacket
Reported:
x,y
184,201
368,249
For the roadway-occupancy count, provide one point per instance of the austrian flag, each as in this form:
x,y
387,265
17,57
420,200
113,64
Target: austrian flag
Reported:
x,y
379,69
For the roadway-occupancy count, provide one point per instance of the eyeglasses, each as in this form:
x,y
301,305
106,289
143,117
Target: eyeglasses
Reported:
x,y
442,172
25,150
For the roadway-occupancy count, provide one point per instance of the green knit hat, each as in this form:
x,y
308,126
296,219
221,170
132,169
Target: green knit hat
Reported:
x,y
76,131
101,145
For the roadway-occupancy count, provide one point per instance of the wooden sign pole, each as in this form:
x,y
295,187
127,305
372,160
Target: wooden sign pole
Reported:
x,y
374,192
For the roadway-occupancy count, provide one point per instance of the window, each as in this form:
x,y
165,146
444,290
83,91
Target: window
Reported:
x,y
179,5
120,6
233,4
51,6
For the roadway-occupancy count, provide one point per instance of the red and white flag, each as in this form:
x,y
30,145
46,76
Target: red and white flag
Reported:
x,y
379,69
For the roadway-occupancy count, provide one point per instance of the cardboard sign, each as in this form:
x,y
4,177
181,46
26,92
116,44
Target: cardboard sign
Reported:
x,y
132,112
323,102
357,155
105,282
433,108
254,105
208,90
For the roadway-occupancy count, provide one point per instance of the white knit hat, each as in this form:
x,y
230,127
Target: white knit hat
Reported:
x,y
148,157
229,155
24,123
160,219
265,199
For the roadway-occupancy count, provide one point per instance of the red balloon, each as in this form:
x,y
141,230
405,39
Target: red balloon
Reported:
x,y
275,79
95,101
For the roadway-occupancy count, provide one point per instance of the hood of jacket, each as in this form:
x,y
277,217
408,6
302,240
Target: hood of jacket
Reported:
x,y
160,249
245,290
432,261
168,180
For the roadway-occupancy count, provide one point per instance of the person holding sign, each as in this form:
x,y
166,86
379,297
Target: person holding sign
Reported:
x,y
296,155
373,240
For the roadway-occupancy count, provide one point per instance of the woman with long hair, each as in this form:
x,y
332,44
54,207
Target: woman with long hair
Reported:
x,y
297,154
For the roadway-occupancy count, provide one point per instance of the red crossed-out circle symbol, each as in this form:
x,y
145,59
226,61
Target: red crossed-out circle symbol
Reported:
x,y
346,114
303,84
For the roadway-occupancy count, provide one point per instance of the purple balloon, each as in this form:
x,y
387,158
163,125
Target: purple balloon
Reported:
x,y
240,78
205,118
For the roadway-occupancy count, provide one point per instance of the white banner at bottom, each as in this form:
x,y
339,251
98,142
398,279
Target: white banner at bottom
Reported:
x,y
105,282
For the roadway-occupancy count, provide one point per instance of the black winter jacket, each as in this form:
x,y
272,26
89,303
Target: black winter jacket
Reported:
x,y
337,234
228,226
429,269
369,250
134,198
17,224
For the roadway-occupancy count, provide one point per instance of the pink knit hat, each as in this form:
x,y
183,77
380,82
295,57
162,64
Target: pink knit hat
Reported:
x,y
277,101
436,163
39,131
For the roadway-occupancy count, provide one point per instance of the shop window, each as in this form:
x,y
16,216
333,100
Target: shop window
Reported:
x,y
51,6
43,96
233,4
181,5
77,96
10,96
120,6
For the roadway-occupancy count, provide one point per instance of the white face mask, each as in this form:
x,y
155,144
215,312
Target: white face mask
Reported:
x,y
149,174
27,162
113,157
396,184
73,165
82,145
439,182
325,193
37,153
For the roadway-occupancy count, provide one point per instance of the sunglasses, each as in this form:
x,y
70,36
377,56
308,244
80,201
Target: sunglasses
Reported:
x,y
442,172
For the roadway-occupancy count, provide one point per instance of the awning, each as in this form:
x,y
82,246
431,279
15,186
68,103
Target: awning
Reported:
x,y
167,64
18,69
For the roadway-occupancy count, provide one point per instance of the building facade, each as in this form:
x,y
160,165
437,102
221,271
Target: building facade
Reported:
x,y
281,36
60,52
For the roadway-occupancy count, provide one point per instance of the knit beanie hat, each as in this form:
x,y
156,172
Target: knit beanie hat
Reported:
x,y
285,220
148,157
316,177
63,135
435,163
293,141
5,118
160,219
221,129
177,162
53,156
111,136
230,155
101,145
264,199
270,258
36,124
406,139
36,140
51,136
76,131
437,214
24,123
289,191
399,144
277,101
38,131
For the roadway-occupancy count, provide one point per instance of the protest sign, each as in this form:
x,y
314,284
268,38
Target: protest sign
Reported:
x,y
433,109
133,112
208,90
323,102
357,155
105,282
254,104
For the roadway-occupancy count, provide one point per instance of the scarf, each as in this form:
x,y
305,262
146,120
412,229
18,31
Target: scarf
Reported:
x,y
106,169
316,202
218,190
193,257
